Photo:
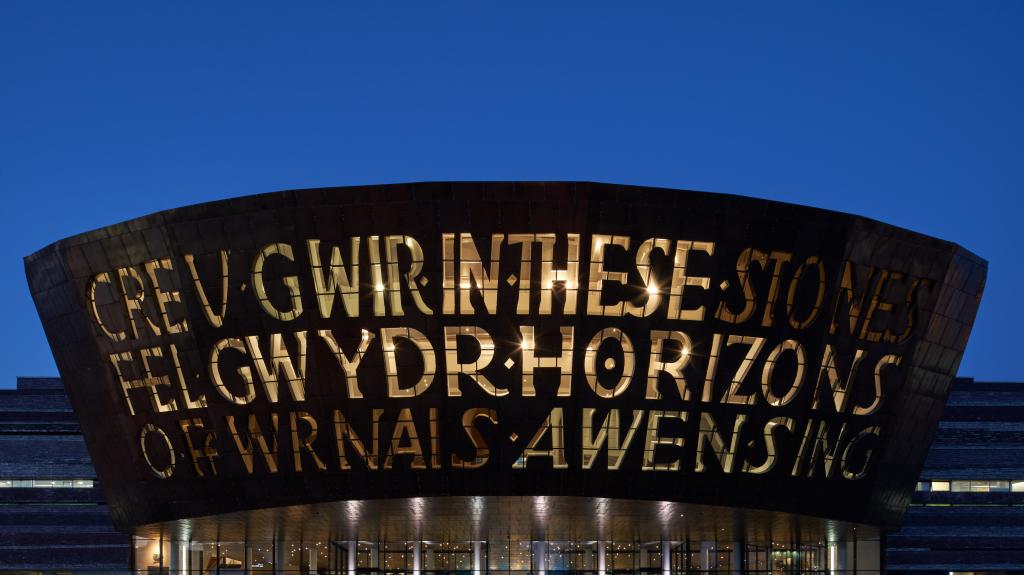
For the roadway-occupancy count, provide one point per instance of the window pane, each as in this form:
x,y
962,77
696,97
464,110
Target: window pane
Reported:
x,y
960,486
1017,485
988,486
940,486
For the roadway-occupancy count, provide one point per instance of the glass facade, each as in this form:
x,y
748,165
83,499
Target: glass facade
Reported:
x,y
46,483
973,485
507,556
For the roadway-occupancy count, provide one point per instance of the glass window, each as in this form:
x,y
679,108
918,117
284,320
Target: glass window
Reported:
x,y
498,555
448,555
520,556
923,486
990,486
567,556
231,557
960,486
396,557
940,486
204,557
261,558
1017,485
366,555
621,556
46,483
149,557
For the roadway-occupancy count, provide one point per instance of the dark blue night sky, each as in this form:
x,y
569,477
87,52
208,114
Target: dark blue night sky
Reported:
x,y
910,113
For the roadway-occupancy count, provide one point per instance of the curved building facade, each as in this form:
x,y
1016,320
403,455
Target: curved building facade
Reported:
x,y
506,377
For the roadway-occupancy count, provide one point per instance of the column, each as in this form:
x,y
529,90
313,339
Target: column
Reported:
x,y
856,556
279,558
540,557
601,561
736,559
353,557
706,563
666,557
478,557
174,563
417,557
848,554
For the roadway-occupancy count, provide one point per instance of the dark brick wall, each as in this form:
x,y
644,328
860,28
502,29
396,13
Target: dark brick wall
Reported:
x,y
980,436
51,530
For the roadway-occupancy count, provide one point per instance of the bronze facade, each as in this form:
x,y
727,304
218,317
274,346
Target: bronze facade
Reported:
x,y
506,340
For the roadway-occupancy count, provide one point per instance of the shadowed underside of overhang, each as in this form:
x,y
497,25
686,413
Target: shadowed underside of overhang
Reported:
x,y
518,518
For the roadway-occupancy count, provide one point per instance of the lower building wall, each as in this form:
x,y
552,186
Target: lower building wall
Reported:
x,y
958,539
502,557
54,538
968,510
53,518
70,530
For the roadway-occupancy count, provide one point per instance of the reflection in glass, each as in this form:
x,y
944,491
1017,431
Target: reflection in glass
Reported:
x,y
462,557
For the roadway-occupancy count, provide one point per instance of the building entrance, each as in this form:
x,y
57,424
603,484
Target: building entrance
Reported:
x,y
502,557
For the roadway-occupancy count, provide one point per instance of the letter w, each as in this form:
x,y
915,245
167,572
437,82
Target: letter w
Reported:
x,y
255,435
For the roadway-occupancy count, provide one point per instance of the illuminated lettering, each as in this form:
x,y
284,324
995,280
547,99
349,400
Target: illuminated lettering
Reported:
x,y
652,290
90,290
481,453
279,364
599,275
344,433
471,369
562,362
657,365
608,434
654,439
554,425
708,436
771,456
840,387
389,336
304,443
337,279
254,438
683,278
215,319
349,364
163,298
131,282
405,428
291,283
